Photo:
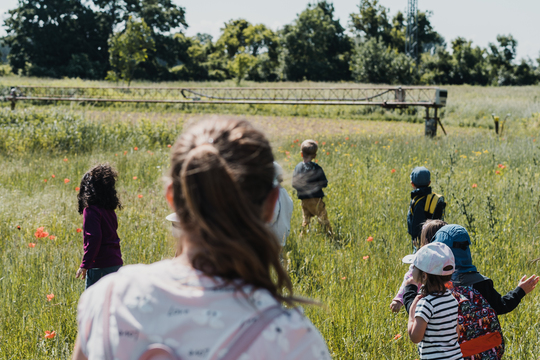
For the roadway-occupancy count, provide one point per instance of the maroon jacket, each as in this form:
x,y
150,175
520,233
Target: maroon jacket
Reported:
x,y
101,242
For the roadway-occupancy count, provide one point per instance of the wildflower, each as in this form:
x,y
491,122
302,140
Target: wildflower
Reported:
x,y
497,172
343,278
169,145
66,181
53,176
125,152
134,178
40,233
52,237
44,180
288,153
347,138
115,154
500,166
50,334
31,245
369,239
365,257
18,227
79,230
50,296
393,171
327,153
324,143
135,148
376,142
65,160
474,186
397,336
77,188
140,196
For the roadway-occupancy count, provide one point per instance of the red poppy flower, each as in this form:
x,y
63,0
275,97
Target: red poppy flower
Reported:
x,y
79,230
77,188
397,336
474,186
52,237
324,143
343,278
53,176
134,178
140,196
365,257
66,181
40,233
65,160
50,334
18,227
44,180
347,138
125,152
369,239
31,245
169,145
393,171
497,172
50,296
135,148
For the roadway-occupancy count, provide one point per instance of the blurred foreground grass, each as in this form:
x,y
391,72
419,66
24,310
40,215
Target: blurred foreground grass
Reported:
x,y
353,278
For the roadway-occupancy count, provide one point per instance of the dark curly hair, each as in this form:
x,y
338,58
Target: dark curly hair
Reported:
x,y
98,188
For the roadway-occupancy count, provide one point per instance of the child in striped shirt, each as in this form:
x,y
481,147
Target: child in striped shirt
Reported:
x,y
433,314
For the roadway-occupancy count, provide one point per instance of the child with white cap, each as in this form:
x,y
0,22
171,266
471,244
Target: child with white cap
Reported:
x,y
433,314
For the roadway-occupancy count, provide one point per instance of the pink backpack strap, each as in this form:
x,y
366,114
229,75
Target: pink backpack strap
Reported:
x,y
247,336
107,349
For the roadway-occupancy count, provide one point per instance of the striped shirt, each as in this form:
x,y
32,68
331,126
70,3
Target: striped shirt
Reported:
x,y
440,339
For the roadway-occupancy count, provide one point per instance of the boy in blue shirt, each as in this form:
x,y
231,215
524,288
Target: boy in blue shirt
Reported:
x,y
309,180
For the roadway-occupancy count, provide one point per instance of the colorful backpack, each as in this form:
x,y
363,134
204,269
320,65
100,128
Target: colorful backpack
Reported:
x,y
480,334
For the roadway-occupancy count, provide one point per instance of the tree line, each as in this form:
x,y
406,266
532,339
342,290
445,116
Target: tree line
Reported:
x,y
144,39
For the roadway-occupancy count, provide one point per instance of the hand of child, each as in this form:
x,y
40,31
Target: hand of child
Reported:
x,y
82,273
529,284
395,306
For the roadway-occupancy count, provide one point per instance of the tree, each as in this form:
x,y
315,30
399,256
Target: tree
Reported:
x,y
257,45
468,63
371,22
373,62
436,68
128,49
315,46
56,38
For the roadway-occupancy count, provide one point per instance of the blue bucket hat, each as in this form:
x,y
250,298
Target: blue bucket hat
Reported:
x,y
420,176
457,238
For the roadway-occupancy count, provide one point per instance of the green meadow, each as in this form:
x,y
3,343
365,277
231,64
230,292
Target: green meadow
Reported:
x,y
491,184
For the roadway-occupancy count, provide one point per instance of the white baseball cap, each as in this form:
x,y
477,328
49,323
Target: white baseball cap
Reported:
x,y
434,258
172,217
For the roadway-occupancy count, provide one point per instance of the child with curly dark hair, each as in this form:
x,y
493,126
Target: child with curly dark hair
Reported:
x,y
97,202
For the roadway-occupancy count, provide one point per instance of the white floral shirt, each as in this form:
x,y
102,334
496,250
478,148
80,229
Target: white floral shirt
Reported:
x,y
173,304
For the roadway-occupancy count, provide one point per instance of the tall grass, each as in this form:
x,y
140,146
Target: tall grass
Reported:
x,y
364,198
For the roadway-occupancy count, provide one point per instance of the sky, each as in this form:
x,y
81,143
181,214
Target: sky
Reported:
x,y
477,20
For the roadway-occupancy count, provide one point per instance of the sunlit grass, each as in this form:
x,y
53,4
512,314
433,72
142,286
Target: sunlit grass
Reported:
x,y
364,198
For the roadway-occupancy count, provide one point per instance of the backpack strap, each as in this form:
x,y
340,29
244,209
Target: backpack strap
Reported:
x,y
107,349
415,202
431,203
246,337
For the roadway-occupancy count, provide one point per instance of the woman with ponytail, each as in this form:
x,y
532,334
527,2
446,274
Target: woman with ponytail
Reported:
x,y
222,296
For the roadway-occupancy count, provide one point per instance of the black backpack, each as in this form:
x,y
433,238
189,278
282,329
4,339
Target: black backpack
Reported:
x,y
434,206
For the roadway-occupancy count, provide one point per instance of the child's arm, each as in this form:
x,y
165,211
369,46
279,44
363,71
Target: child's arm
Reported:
x,y
505,304
397,302
417,325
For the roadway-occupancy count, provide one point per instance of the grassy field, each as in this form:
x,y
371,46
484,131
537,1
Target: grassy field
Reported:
x,y
45,150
